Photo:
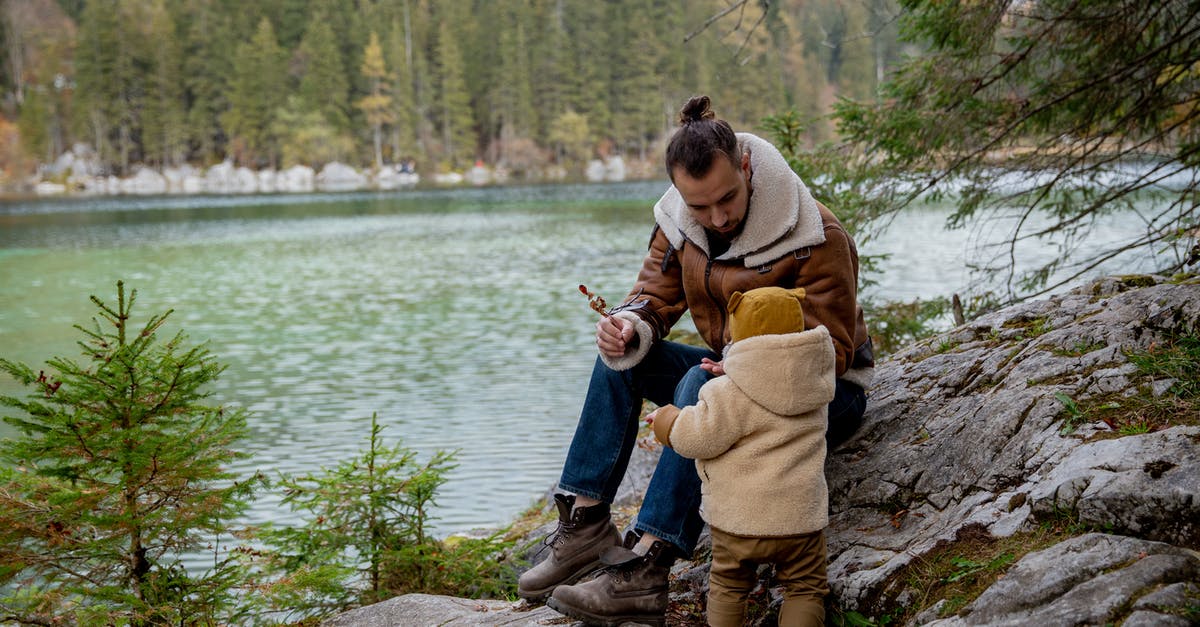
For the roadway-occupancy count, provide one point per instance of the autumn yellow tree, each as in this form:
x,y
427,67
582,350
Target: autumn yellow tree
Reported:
x,y
377,105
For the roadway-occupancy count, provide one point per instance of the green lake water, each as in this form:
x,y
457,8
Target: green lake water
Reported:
x,y
453,314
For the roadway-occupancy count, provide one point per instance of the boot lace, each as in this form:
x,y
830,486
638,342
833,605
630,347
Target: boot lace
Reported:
x,y
561,534
626,569
558,537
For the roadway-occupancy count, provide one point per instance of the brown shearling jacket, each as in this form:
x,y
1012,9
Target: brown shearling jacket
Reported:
x,y
789,240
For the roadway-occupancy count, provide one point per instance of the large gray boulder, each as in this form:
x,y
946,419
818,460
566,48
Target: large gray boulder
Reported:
x,y
1088,580
298,178
339,177
967,435
227,178
967,430
145,182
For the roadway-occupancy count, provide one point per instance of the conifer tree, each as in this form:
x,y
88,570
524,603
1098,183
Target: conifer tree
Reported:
x,y
121,467
638,107
16,33
33,122
306,137
377,104
398,54
324,87
454,101
803,83
207,51
1049,115
97,77
256,95
856,59
346,21
511,114
571,136
590,39
163,114
551,58
423,32
130,83
294,18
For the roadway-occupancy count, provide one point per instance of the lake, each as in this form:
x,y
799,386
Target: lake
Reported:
x,y
454,314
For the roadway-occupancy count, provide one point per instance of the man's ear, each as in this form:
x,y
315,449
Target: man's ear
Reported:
x,y
734,301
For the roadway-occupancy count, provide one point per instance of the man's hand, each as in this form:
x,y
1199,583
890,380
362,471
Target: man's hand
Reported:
x,y
716,368
613,336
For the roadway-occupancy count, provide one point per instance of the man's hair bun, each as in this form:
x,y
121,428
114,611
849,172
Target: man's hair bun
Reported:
x,y
696,109
701,136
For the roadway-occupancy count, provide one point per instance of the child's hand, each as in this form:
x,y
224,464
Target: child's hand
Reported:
x,y
716,368
650,416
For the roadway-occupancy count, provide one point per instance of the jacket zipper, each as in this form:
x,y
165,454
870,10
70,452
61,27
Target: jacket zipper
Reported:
x,y
712,296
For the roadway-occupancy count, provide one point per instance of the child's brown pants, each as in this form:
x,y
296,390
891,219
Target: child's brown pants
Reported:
x,y
799,566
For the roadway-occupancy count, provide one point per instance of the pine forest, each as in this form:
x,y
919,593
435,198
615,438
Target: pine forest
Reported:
x,y
532,86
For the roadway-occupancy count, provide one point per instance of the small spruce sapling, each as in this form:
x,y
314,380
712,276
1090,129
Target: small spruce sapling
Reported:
x,y
367,537
120,468
359,513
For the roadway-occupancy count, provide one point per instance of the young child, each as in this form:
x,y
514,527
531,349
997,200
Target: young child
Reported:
x,y
758,437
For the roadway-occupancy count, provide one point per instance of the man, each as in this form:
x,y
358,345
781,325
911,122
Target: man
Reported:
x,y
736,218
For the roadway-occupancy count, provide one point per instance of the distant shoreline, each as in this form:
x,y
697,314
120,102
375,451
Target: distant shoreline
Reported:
x,y
78,174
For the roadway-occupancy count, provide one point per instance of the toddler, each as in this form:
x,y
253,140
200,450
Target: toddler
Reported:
x,y
758,437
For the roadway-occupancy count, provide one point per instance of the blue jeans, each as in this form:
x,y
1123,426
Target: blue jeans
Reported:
x,y
607,431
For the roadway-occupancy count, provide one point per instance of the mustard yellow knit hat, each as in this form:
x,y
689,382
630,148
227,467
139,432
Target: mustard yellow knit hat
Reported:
x,y
765,311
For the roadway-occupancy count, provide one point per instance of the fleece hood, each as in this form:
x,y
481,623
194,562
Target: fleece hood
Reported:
x,y
782,217
790,374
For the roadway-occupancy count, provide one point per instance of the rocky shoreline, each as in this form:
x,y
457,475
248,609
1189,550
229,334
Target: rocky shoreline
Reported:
x,y
969,441
78,172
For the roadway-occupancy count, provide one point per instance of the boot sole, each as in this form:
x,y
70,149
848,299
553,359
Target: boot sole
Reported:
x,y
604,621
538,596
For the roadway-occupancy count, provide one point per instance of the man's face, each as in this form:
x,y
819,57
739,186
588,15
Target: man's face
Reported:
x,y
719,199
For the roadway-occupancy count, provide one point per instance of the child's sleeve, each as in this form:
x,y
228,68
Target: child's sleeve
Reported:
x,y
711,426
664,419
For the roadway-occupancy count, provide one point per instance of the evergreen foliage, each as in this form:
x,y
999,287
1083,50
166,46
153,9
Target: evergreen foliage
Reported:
x,y
98,80
119,485
366,537
208,59
1042,117
469,80
120,471
454,114
256,95
305,135
163,117
398,56
324,86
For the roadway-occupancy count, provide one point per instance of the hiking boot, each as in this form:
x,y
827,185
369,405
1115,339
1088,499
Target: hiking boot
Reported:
x,y
575,548
632,588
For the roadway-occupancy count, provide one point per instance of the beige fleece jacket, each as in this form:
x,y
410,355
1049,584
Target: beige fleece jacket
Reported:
x,y
758,435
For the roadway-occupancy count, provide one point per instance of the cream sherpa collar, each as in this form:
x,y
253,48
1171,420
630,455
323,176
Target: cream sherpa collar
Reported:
x,y
783,214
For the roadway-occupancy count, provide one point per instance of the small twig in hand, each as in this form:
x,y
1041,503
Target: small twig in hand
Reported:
x,y
597,303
